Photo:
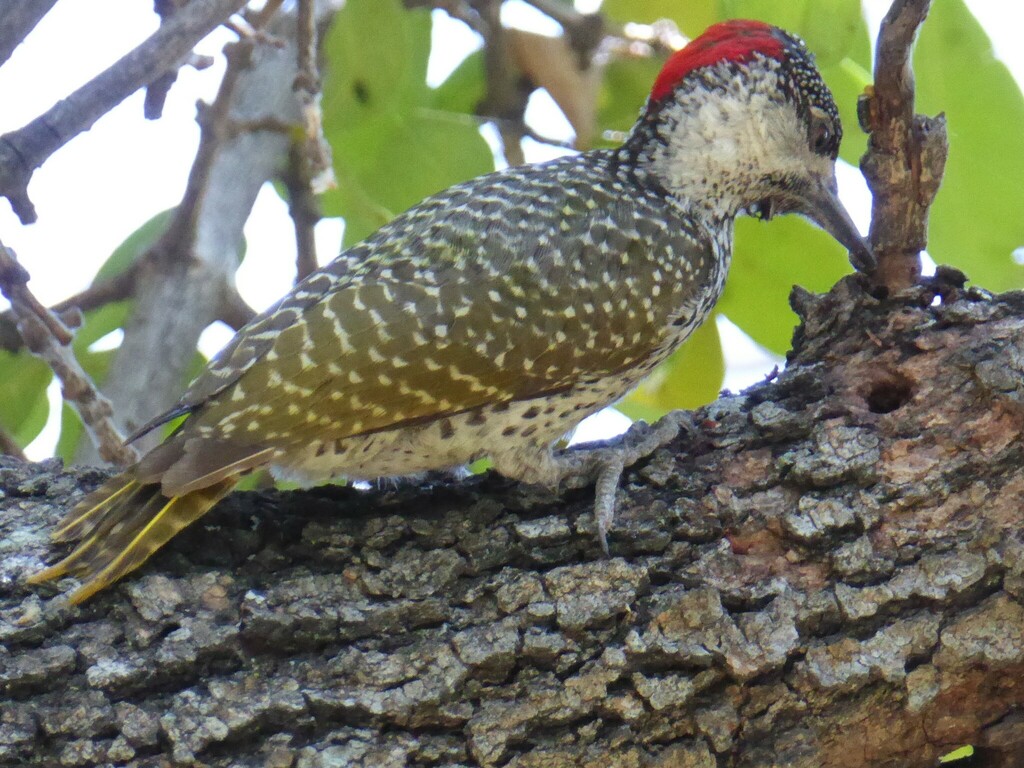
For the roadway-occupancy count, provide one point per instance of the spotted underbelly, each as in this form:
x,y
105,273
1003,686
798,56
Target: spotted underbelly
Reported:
x,y
449,442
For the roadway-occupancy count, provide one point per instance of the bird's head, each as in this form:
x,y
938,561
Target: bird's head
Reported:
x,y
740,121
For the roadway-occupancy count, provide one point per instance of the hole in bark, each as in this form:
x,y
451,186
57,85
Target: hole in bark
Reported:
x,y
167,629
889,394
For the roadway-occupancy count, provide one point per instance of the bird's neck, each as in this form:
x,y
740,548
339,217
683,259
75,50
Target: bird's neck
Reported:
x,y
695,195
683,176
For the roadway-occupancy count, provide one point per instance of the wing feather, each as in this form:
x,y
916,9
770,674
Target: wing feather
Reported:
x,y
444,310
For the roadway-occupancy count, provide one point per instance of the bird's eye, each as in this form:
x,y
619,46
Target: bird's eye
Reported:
x,y
764,210
822,136
822,132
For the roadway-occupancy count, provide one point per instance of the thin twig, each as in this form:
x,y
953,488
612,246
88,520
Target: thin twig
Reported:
x,y
262,17
47,338
24,150
315,151
540,138
266,123
216,127
19,19
304,209
214,119
460,10
309,161
906,154
247,31
643,41
156,91
566,15
10,447
506,97
100,294
583,31
234,311
308,78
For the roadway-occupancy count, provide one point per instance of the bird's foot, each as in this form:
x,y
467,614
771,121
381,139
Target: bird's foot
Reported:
x,y
603,463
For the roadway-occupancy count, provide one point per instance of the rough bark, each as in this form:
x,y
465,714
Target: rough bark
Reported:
x,y
906,156
830,573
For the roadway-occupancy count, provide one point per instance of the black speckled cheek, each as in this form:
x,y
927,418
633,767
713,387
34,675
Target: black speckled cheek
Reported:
x,y
805,86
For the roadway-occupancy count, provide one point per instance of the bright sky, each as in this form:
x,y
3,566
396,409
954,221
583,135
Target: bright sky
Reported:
x,y
98,188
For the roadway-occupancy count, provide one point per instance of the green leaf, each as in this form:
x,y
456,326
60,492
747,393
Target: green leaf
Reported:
x,y
977,220
423,155
465,87
372,69
624,89
391,146
769,259
692,17
831,28
136,244
958,754
24,406
691,377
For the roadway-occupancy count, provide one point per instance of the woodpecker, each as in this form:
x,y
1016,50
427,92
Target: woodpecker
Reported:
x,y
491,318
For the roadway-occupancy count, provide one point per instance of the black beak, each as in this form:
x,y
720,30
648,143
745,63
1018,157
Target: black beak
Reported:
x,y
820,203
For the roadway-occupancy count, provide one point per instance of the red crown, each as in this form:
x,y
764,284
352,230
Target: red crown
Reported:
x,y
737,40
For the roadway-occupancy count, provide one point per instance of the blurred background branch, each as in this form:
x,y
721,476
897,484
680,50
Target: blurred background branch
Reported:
x,y
25,150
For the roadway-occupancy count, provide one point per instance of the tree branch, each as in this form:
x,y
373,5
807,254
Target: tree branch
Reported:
x,y
830,572
461,10
24,150
19,19
117,288
906,155
177,240
10,447
304,208
48,338
159,344
506,98
310,169
194,262
234,311
584,31
156,91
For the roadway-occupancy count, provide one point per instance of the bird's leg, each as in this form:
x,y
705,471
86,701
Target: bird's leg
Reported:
x,y
601,463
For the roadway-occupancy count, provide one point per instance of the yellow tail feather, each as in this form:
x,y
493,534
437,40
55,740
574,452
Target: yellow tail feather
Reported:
x,y
85,516
120,526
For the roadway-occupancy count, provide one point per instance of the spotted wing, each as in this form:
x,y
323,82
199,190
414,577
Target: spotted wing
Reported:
x,y
452,307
